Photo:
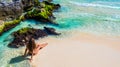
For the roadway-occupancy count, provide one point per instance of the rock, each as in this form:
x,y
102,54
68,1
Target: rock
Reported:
x,y
10,10
50,0
1,22
51,31
22,39
57,6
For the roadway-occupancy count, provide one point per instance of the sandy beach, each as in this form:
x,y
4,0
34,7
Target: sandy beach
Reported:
x,y
90,33
79,50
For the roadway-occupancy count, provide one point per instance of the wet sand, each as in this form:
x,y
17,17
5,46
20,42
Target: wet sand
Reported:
x,y
80,50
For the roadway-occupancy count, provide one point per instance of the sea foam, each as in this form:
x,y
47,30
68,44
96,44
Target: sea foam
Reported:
x,y
93,5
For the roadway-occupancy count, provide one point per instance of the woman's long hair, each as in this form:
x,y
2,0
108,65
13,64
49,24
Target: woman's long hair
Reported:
x,y
31,44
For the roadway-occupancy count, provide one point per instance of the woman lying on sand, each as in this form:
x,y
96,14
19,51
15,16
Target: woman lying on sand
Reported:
x,y
32,48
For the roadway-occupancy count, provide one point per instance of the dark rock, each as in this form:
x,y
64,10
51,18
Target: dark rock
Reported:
x,y
50,0
22,39
57,6
51,31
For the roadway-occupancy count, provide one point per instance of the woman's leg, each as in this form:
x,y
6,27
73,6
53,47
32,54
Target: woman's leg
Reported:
x,y
25,52
39,47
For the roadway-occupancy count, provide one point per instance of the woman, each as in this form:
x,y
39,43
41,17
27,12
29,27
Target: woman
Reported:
x,y
32,48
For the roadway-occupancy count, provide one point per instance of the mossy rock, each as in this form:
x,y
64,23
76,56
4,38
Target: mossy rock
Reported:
x,y
23,30
1,28
11,23
37,3
8,25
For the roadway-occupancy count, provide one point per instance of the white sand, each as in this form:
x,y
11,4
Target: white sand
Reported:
x,y
80,50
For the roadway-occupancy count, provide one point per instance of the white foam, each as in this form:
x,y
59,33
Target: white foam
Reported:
x,y
93,5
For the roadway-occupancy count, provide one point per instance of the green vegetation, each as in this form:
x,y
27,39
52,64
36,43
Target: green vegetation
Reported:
x,y
38,13
48,7
22,17
43,12
8,25
23,30
1,28
37,3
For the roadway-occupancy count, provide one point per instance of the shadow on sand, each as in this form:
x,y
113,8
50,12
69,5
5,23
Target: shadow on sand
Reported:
x,y
17,59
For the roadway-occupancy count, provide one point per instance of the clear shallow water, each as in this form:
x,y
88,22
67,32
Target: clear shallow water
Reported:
x,y
100,17
7,54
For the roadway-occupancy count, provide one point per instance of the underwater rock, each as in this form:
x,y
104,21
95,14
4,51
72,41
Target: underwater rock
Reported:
x,y
51,31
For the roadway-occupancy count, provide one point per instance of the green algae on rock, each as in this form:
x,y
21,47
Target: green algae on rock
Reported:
x,y
8,25
41,11
22,36
23,30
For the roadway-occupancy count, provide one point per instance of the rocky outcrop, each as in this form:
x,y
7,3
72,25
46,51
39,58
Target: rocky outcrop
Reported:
x,y
43,12
10,11
13,9
22,36
27,9
51,31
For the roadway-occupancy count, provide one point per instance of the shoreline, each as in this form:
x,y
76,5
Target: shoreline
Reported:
x,y
73,48
78,50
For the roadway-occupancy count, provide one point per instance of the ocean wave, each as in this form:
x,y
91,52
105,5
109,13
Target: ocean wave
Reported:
x,y
93,5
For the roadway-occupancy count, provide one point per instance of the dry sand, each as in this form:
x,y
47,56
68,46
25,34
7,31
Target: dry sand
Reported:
x,y
80,50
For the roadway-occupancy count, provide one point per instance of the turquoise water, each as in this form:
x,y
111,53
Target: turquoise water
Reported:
x,y
6,54
100,17
91,16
